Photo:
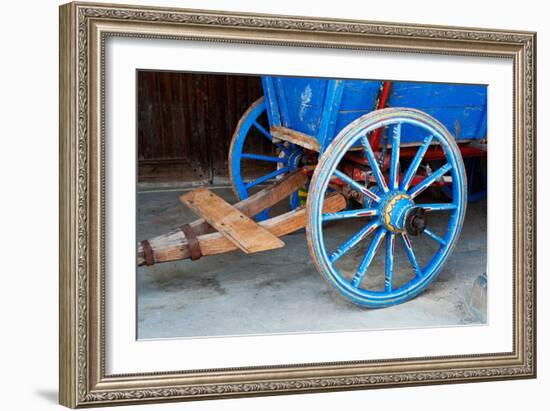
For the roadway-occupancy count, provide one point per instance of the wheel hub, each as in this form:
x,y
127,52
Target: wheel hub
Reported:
x,y
394,210
416,221
295,158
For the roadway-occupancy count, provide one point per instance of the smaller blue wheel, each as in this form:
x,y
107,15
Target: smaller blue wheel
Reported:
x,y
249,165
419,235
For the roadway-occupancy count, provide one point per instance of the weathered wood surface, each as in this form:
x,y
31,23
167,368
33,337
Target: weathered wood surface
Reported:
x,y
229,221
174,247
324,107
259,201
185,123
251,206
295,137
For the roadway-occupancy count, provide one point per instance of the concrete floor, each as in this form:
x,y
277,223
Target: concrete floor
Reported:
x,y
280,291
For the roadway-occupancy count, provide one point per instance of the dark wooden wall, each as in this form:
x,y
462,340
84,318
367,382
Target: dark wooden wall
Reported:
x,y
185,123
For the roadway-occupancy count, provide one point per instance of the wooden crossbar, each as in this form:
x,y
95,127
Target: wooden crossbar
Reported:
x,y
244,232
295,137
257,202
175,247
250,206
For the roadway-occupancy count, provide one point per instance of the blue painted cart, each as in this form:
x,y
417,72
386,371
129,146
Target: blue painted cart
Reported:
x,y
381,144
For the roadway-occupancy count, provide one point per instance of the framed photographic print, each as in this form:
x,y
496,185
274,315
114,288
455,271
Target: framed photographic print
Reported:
x,y
260,204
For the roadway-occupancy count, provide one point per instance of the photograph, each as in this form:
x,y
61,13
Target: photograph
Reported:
x,y
282,204
257,204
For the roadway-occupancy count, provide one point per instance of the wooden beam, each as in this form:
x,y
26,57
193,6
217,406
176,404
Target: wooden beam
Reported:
x,y
257,202
173,248
295,137
251,206
229,221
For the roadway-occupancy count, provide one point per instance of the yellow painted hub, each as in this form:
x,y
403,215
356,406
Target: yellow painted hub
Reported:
x,y
393,214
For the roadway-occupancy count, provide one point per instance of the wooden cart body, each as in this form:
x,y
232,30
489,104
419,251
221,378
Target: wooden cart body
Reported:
x,y
321,108
361,149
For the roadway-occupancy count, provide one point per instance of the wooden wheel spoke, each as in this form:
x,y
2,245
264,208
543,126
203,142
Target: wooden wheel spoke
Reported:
x,y
388,190
363,212
388,278
437,207
433,235
353,241
268,135
263,131
411,171
356,186
294,200
374,165
267,177
367,258
424,184
394,158
260,157
410,254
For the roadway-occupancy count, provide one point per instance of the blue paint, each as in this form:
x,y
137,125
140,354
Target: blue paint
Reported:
x,y
368,257
387,222
413,167
260,157
394,157
440,172
407,244
374,164
282,100
359,213
333,99
271,102
357,186
263,131
267,177
322,108
354,240
433,235
388,279
285,162
437,207
299,101
359,95
340,115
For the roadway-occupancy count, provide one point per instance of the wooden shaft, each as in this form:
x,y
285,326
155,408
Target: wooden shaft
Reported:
x,y
167,248
261,200
251,206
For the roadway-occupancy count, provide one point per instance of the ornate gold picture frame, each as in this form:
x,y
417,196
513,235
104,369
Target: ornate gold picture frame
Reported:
x,y
84,29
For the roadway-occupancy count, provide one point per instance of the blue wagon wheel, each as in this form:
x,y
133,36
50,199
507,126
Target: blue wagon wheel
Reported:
x,y
251,133
395,211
